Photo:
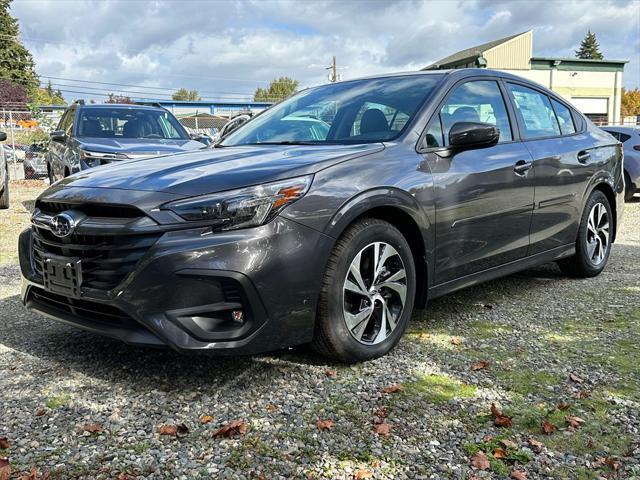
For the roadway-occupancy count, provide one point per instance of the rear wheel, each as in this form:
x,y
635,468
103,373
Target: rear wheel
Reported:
x,y
367,293
4,198
593,244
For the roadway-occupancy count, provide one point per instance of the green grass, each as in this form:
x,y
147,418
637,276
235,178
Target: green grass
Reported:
x,y
439,389
525,381
58,401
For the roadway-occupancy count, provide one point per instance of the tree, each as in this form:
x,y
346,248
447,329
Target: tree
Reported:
x,y
13,96
279,89
47,96
186,95
16,63
589,47
113,98
630,102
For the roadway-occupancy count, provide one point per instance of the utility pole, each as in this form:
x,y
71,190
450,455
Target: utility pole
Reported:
x,y
333,76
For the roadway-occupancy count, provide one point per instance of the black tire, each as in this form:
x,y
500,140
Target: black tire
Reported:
x,y
4,198
629,191
581,265
50,174
332,337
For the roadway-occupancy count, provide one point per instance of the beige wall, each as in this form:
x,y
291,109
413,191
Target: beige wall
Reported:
x,y
514,54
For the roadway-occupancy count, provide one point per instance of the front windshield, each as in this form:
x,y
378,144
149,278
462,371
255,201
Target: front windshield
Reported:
x,y
360,111
123,122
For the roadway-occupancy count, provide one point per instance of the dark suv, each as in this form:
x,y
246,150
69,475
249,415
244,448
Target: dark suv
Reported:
x,y
421,184
92,135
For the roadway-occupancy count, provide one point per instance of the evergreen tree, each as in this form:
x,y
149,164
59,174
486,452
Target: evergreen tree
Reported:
x,y
589,47
279,89
16,63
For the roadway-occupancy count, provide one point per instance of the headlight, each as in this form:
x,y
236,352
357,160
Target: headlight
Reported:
x,y
242,208
94,159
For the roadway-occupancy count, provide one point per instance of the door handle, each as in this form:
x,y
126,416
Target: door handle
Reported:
x,y
522,166
584,156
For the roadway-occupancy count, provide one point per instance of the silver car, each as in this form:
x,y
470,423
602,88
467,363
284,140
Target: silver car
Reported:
x,y
4,175
630,139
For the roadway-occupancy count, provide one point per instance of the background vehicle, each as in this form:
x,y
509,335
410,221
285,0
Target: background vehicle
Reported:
x,y
423,184
92,135
630,138
4,174
35,161
233,124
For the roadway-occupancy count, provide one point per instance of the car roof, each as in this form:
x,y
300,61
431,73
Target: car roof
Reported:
x,y
621,128
121,105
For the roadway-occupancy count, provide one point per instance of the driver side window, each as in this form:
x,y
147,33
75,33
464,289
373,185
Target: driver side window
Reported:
x,y
476,101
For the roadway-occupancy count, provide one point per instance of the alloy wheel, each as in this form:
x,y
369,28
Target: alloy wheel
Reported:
x,y
374,293
597,234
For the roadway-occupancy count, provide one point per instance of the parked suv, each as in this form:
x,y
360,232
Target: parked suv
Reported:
x,y
630,138
93,135
4,174
423,184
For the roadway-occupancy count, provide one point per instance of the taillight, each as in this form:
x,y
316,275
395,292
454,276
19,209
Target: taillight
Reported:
x,y
636,147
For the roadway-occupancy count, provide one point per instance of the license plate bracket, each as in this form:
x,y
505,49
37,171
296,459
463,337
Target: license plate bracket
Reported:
x,y
62,275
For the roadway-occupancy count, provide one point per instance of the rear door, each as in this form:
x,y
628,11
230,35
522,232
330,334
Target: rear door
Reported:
x,y
563,163
59,150
484,197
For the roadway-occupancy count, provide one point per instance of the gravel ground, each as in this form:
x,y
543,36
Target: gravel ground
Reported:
x,y
541,347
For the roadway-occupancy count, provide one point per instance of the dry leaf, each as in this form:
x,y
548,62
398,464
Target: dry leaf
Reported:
x,y
206,419
173,430
383,429
480,461
536,446
234,427
519,475
481,365
376,464
4,443
499,418
5,469
584,394
380,412
40,412
612,463
393,388
272,408
548,428
487,438
499,453
456,341
362,474
323,425
575,378
124,476
93,428
563,406
330,373
33,475
574,422
508,444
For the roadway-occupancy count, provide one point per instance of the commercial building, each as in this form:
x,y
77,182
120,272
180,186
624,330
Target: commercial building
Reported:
x,y
593,86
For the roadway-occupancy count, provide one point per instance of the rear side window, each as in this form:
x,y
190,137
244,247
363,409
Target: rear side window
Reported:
x,y
564,117
624,137
476,101
535,111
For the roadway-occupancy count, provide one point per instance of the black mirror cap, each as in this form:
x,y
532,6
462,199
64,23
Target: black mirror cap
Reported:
x,y
3,136
465,135
58,136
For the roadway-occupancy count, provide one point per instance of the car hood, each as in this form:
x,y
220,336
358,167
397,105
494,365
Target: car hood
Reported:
x,y
214,170
158,146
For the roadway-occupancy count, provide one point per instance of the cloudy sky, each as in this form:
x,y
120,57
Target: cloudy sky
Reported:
x,y
225,49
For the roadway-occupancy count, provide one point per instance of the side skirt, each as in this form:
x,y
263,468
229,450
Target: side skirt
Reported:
x,y
501,270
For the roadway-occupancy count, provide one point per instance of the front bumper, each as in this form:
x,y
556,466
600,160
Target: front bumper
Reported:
x,y
182,293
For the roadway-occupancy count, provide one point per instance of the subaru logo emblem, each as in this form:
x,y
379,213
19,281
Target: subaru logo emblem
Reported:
x,y
62,225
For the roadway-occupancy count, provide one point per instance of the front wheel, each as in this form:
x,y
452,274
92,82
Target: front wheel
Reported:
x,y
593,244
367,293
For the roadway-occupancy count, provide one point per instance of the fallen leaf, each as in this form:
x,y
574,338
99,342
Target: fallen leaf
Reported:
x,y
424,336
383,429
124,476
548,428
380,412
33,475
323,425
536,446
499,453
173,430
487,438
480,461
330,373
481,365
206,419
456,341
40,412
376,464
612,463
574,422
508,444
362,474
4,443
584,394
93,428
5,469
393,388
519,475
499,418
563,406
575,378
234,427
272,408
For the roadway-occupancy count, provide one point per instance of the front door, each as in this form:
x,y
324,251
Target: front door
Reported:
x,y
484,197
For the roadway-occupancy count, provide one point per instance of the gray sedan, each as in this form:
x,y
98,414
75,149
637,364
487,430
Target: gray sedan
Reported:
x,y
630,138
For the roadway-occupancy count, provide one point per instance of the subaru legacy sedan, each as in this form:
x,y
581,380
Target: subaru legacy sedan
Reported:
x,y
422,184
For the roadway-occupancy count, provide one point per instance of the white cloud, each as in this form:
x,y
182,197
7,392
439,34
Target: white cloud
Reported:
x,y
231,47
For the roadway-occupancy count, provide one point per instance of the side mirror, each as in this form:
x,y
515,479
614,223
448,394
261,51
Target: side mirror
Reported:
x,y
58,136
468,135
3,136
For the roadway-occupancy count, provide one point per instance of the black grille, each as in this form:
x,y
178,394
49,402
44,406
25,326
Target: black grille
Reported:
x,y
106,259
231,291
83,309
90,209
